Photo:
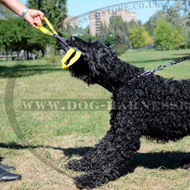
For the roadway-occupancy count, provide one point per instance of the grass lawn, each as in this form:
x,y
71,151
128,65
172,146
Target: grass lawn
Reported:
x,y
50,139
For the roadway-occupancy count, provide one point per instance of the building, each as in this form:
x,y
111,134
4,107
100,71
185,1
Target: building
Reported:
x,y
103,17
71,21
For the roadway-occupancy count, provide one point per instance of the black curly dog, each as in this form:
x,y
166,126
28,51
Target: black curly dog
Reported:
x,y
152,106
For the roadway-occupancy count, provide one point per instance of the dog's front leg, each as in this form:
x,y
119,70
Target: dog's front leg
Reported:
x,y
87,162
92,156
114,161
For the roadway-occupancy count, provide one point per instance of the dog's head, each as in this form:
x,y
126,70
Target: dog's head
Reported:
x,y
93,65
99,64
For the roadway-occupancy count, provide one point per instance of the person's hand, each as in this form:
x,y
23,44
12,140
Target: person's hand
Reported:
x,y
34,17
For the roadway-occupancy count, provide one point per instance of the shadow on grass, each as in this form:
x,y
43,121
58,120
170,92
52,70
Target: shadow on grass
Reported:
x,y
151,160
69,152
26,70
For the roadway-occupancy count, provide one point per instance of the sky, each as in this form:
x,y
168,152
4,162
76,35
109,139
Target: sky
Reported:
x,y
78,7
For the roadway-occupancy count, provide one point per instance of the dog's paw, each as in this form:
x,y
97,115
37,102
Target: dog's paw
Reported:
x,y
75,165
89,180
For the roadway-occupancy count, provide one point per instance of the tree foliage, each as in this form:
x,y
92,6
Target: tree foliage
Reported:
x,y
55,10
16,35
116,35
166,36
109,40
182,7
187,38
139,37
151,24
118,25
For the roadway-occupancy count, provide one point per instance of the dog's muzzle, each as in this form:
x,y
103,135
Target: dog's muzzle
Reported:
x,y
72,55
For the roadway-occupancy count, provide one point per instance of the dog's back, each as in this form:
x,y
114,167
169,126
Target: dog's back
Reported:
x,y
164,106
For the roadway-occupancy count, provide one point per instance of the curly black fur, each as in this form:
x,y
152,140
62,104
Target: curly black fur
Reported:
x,y
151,106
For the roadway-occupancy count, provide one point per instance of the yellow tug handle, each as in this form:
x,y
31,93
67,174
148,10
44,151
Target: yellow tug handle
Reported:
x,y
70,52
46,31
73,60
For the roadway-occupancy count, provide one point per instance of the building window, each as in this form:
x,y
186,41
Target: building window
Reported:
x,y
97,15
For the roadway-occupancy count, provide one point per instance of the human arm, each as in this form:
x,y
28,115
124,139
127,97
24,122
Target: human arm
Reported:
x,y
32,16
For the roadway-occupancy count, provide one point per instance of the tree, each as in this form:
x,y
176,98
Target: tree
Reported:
x,y
174,17
187,40
139,37
171,15
132,24
117,35
166,36
151,24
147,39
16,35
104,33
6,35
117,24
55,10
109,40
182,7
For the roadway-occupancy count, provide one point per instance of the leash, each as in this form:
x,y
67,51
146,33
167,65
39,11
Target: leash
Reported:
x,y
72,55
159,68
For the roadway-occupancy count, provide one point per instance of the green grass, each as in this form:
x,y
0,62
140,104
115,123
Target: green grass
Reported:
x,y
152,59
53,134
